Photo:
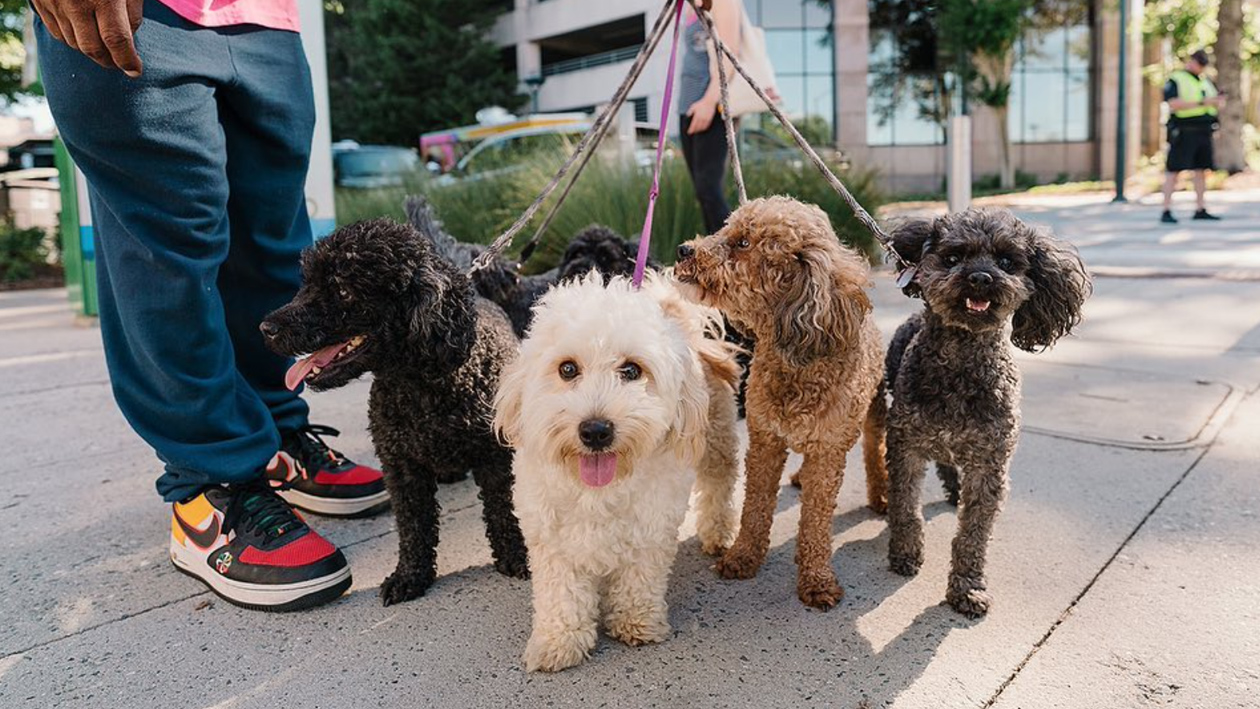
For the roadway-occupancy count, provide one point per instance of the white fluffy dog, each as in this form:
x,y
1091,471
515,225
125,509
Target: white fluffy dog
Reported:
x,y
618,403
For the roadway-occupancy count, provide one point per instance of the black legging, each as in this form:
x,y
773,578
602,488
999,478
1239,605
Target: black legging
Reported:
x,y
705,154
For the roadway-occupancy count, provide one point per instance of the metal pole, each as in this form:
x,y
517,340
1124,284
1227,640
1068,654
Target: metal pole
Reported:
x,y
1122,133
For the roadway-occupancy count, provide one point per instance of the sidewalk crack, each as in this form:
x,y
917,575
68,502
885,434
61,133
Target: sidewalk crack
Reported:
x,y
1067,612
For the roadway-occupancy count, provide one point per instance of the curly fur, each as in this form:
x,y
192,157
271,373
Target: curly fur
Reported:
x,y
436,351
953,377
778,269
595,248
613,544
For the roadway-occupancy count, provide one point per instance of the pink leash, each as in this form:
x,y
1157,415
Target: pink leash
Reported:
x,y
645,239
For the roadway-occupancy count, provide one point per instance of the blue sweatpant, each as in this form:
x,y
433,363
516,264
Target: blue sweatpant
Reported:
x,y
196,173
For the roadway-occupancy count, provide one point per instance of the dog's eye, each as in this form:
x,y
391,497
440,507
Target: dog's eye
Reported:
x,y
569,370
1005,263
743,243
952,260
344,294
630,371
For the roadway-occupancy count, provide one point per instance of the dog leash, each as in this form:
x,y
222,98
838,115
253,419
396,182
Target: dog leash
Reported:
x,y
645,239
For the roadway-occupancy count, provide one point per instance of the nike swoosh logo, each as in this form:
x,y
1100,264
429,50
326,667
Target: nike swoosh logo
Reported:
x,y
203,538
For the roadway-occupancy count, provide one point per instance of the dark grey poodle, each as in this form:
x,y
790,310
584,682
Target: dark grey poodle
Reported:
x,y
953,378
595,248
376,297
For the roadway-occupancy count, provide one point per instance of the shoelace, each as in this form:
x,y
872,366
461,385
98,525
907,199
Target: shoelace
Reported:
x,y
257,509
314,452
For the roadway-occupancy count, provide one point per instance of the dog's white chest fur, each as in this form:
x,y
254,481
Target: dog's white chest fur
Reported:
x,y
602,529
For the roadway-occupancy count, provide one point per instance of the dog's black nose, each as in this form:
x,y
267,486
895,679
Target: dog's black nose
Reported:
x,y
597,434
980,278
685,251
269,329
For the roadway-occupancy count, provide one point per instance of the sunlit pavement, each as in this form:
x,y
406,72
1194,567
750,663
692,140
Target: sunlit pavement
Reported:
x,y
1124,567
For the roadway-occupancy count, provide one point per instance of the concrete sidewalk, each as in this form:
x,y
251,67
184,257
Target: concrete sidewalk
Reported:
x,y
1124,567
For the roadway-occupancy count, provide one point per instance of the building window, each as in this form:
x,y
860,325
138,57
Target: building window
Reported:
x,y
909,101
799,42
640,109
905,103
1050,85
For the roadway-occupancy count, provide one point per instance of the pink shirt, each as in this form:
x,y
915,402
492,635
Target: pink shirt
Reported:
x,y
274,14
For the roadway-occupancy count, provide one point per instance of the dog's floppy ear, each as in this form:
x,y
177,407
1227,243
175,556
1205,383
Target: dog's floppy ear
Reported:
x,y
689,433
824,307
508,401
1060,287
442,319
912,240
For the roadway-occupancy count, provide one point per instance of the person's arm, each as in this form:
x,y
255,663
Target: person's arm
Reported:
x,y
104,30
726,21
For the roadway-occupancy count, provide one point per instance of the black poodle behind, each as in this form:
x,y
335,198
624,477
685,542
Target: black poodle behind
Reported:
x,y
376,297
595,248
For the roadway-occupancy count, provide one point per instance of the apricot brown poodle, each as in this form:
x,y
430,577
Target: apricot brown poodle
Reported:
x,y
778,271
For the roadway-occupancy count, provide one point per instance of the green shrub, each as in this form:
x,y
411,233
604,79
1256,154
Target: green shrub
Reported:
x,y
22,252
611,193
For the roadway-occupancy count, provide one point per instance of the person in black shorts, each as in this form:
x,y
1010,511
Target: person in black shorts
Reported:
x,y
1194,103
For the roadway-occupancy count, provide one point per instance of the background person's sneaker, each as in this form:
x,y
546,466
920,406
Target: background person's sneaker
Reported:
x,y
1203,214
1168,218
253,550
316,478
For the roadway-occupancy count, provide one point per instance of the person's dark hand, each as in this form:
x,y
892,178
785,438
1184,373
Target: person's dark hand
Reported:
x,y
701,113
104,30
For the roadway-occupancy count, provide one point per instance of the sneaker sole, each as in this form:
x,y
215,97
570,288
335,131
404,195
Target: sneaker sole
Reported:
x,y
334,507
263,597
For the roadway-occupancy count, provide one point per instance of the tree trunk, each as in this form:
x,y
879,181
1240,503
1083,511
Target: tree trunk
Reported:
x,y
1007,175
1230,153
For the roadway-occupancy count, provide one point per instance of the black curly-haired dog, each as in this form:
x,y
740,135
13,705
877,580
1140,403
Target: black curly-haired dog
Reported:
x,y
376,297
953,377
595,248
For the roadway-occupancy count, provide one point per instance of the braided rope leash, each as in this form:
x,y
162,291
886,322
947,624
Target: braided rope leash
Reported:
x,y
858,211
504,240
645,239
614,107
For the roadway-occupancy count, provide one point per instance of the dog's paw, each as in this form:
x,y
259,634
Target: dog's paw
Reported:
x,y
717,537
972,600
795,480
905,564
738,564
639,630
713,547
878,505
557,651
401,587
952,497
819,591
514,565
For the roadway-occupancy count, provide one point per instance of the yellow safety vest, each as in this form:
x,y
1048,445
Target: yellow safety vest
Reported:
x,y
1194,89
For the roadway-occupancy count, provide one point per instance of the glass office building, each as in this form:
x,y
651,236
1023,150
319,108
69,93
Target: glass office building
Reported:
x,y
863,71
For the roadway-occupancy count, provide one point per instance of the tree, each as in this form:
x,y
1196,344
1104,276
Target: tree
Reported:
x,y
1231,154
398,68
12,52
985,31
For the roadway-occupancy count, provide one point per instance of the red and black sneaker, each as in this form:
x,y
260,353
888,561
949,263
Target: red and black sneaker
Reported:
x,y
253,550
316,478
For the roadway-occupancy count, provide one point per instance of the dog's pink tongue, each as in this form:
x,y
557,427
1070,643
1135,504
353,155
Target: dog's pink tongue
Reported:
x,y
597,470
297,373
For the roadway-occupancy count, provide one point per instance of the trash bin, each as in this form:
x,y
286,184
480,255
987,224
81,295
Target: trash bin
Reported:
x,y
78,250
